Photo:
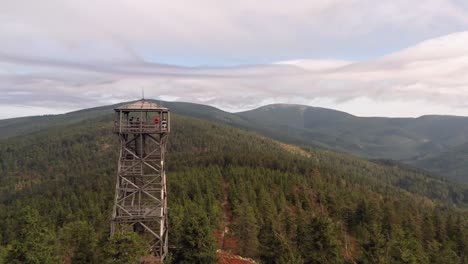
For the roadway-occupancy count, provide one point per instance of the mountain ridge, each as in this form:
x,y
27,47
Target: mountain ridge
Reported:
x,y
408,140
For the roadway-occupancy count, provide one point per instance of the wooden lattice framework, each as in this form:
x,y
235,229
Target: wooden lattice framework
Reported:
x,y
140,203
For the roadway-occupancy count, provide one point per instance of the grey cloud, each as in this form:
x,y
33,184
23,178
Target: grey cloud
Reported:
x,y
130,30
391,78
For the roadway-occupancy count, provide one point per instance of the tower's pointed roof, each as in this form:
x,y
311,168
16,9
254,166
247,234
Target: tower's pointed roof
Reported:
x,y
141,105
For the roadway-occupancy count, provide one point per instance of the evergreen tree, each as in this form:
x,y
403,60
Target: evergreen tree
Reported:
x,y
374,245
271,247
78,242
317,242
248,231
405,249
2,254
443,254
197,243
34,242
125,248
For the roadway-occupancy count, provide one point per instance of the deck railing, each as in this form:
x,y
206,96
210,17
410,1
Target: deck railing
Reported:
x,y
140,127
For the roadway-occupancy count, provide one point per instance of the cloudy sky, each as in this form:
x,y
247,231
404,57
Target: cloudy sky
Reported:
x,y
365,57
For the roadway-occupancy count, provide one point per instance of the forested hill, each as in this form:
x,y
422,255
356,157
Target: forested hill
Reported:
x,y
284,204
452,162
415,141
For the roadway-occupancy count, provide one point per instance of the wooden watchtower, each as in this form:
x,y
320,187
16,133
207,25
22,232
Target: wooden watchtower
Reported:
x,y
140,203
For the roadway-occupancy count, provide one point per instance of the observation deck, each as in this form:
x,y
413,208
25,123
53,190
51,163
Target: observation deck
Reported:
x,y
141,117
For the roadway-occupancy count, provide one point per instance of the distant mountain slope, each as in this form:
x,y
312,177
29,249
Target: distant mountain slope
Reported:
x,y
432,143
391,138
25,125
410,140
453,163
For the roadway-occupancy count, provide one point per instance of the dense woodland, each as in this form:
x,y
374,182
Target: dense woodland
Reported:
x,y
437,144
288,205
